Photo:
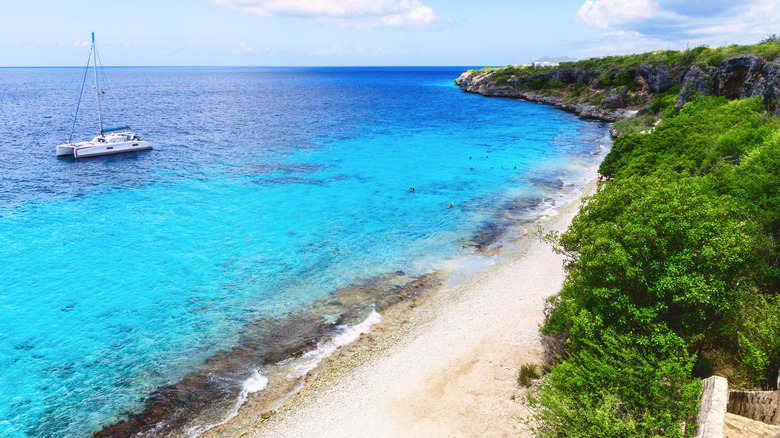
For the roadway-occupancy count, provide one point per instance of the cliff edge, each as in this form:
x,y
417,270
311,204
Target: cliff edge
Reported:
x,y
616,93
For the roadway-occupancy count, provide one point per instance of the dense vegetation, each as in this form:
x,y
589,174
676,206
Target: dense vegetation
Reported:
x,y
591,81
702,55
768,48
672,273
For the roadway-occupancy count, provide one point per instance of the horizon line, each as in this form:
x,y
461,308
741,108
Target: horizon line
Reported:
x,y
253,66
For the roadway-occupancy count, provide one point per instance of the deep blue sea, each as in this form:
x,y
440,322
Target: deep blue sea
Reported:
x,y
269,193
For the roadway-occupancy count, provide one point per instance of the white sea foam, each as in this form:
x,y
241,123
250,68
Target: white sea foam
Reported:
x,y
347,335
257,382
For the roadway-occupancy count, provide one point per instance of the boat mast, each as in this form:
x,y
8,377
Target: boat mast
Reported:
x,y
97,87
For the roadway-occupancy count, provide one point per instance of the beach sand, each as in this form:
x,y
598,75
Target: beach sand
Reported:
x,y
444,368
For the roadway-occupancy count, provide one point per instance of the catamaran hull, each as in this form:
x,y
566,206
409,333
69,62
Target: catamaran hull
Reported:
x,y
102,149
64,150
111,148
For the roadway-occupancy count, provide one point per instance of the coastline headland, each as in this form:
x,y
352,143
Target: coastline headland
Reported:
x,y
615,93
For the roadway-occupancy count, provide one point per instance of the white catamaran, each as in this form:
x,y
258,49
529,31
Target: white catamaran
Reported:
x,y
110,141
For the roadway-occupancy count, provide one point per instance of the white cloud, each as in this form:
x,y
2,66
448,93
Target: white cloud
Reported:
x,y
173,50
654,24
612,13
350,13
336,50
243,48
619,42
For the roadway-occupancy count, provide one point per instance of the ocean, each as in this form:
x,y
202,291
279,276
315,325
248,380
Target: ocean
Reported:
x,y
273,221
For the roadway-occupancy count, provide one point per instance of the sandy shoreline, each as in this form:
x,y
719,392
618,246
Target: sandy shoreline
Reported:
x,y
444,368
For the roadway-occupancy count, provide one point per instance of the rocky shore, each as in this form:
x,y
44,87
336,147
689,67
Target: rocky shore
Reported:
x,y
735,78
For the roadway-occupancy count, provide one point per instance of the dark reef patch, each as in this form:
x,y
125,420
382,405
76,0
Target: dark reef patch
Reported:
x,y
207,394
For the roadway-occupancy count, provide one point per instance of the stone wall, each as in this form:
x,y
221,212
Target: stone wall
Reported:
x,y
712,408
761,406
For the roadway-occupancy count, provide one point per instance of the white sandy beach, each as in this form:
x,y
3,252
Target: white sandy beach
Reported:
x,y
454,370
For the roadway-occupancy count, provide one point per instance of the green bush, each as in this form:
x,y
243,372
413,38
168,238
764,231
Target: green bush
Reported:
x,y
653,251
768,48
677,259
665,100
689,142
715,59
596,99
528,373
617,385
577,89
636,125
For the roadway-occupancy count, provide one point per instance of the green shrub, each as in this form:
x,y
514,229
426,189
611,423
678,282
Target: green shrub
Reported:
x,y
636,125
653,251
758,350
688,142
685,239
665,100
577,89
617,385
768,48
527,374
677,259
715,59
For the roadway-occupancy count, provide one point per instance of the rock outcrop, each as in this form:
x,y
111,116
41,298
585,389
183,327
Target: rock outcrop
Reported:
x,y
736,78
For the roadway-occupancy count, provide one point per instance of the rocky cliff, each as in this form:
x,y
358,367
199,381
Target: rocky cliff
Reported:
x,y
617,93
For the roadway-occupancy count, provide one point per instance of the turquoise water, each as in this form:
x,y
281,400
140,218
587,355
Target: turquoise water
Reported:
x,y
267,190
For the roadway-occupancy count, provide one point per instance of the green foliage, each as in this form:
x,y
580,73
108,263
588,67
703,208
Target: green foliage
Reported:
x,y
617,385
670,257
769,48
697,51
664,102
614,77
577,89
636,125
758,340
705,133
509,71
528,373
772,38
615,68
677,257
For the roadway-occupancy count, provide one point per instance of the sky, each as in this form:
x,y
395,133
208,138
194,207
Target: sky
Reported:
x,y
367,32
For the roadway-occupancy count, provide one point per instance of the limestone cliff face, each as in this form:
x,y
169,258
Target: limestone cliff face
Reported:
x,y
735,78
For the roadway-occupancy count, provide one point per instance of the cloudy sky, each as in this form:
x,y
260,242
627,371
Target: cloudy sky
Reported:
x,y
368,32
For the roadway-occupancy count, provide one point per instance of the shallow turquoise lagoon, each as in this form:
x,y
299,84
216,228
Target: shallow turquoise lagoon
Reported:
x,y
267,190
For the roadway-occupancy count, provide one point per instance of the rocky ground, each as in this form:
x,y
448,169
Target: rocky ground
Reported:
x,y
735,78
